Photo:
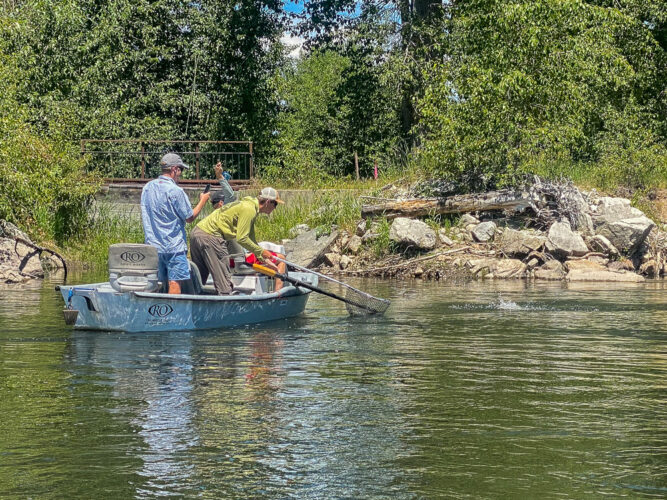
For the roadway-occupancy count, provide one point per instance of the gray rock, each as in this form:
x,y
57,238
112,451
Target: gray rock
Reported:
x,y
585,270
298,229
444,239
584,224
344,262
412,233
354,244
620,265
601,244
515,243
343,239
307,249
551,271
484,231
563,242
497,268
627,234
332,259
20,265
614,209
9,230
361,228
533,263
467,219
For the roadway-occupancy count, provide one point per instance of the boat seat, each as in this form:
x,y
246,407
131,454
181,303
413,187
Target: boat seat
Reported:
x,y
193,286
133,267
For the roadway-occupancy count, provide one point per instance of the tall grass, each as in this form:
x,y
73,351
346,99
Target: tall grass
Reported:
x,y
321,211
91,247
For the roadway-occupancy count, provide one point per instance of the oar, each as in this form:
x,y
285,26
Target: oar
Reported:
x,y
297,282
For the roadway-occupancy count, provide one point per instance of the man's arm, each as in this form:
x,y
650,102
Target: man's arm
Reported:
x,y
203,198
244,230
227,191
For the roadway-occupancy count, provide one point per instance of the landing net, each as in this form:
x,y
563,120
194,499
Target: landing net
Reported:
x,y
358,302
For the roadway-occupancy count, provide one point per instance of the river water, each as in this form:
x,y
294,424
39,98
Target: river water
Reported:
x,y
479,390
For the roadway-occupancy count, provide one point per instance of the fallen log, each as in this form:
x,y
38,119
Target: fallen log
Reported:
x,y
506,200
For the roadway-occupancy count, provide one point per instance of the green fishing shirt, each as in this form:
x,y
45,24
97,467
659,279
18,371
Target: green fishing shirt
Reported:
x,y
235,221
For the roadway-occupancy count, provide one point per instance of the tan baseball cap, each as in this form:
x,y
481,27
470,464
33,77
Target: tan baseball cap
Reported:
x,y
268,193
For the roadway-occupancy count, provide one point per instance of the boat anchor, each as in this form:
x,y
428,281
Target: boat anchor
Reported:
x,y
69,313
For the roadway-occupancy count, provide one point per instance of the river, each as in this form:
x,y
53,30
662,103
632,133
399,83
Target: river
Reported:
x,y
478,390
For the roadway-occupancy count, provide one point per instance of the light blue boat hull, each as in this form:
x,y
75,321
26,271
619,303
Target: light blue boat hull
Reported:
x,y
103,308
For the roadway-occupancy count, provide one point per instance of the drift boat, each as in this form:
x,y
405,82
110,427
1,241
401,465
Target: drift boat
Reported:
x,y
131,302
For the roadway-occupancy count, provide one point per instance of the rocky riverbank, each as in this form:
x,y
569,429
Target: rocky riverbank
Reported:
x,y
545,232
21,260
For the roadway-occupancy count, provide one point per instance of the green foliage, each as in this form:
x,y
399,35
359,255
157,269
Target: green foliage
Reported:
x,y
335,104
42,188
145,69
541,82
381,245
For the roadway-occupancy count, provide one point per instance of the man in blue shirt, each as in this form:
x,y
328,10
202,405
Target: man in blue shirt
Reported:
x,y
165,208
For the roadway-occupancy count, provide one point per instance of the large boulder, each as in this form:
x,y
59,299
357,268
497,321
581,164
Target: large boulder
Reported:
x,y
519,244
563,242
612,210
623,225
627,235
18,262
307,249
9,230
585,270
412,233
490,268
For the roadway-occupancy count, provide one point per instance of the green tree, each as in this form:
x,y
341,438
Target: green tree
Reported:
x,y
523,86
42,188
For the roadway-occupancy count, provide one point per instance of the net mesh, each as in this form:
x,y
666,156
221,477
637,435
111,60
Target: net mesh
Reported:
x,y
357,302
364,303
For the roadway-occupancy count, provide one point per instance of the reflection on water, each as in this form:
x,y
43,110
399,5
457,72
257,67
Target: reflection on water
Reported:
x,y
478,390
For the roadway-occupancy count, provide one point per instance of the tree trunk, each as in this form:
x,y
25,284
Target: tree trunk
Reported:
x,y
481,202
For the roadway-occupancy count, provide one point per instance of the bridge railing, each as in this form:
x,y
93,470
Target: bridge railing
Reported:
x,y
136,160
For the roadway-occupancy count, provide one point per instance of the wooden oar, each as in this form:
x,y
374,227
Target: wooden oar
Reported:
x,y
303,284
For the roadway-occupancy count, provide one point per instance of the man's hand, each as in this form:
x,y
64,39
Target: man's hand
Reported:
x,y
203,197
218,170
266,255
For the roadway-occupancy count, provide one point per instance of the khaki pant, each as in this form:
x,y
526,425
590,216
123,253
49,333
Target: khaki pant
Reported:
x,y
211,255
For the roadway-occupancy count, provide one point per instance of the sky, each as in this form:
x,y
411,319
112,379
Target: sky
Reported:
x,y
291,41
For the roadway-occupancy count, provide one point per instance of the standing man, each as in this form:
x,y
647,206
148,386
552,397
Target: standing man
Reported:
x,y
165,208
236,221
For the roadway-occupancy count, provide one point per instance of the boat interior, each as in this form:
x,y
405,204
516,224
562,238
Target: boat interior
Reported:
x,y
134,268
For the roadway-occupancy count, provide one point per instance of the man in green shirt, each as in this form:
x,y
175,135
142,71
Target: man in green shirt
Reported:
x,y
234,221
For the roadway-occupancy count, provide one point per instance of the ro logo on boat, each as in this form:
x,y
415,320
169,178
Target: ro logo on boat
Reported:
x,y
132,256
160,310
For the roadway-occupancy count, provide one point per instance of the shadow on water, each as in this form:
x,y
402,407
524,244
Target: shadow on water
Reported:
x,y
508,389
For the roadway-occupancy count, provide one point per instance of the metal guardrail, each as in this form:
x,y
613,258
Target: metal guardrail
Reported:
x,y
137,160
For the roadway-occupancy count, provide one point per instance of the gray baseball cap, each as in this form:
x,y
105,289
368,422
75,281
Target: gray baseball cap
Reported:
x,y
172,160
